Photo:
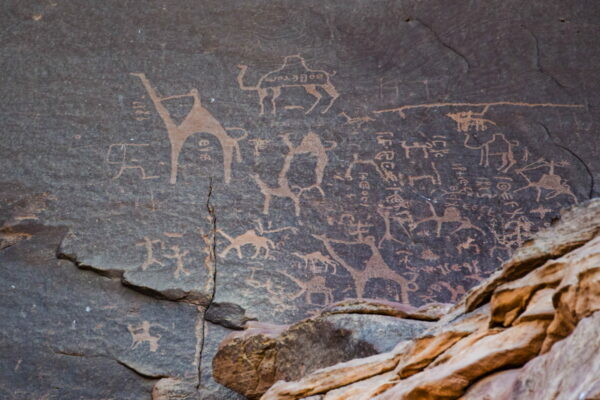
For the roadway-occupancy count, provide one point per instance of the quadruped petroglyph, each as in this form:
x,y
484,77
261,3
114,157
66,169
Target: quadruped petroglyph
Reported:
x,y
293,73
198,120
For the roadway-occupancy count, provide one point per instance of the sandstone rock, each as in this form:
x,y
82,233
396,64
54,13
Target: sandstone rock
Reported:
x,y
478,357
570,370
229,315
428,312
497,386
258,357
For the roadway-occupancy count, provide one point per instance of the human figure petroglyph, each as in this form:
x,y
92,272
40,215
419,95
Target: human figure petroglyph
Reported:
x,y
389,214
293,73
497,146
548,181
466,120
198,120
358,121
310,144
451,215
317,262
141,334
148,245
179,257
486,106
124,155
374,268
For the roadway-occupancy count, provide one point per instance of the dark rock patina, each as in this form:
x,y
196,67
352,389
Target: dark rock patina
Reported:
x,y
283,156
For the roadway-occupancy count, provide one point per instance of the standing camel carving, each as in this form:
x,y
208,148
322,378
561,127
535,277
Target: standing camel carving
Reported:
x,y
497,146
198,120
293,73
374,268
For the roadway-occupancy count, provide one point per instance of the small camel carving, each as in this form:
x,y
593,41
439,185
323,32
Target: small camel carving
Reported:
x,y
293,73
497,146
317,262
254,238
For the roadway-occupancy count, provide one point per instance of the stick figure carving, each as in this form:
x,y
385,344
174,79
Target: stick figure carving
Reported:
x,y
293,73
198,120
374,268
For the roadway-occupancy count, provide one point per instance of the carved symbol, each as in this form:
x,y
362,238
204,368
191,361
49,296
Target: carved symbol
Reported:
x,y
433,178
451,215
549,181
121,154
385,174
141,334
179,257
496,146
198,120
467,244
293,73
310,144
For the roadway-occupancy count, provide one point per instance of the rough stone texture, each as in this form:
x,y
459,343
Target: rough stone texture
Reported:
x,y
283,156
63,328
253,360
541,325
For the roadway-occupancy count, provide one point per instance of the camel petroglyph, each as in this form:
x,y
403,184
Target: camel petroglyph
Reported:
x,y
293,73
198,120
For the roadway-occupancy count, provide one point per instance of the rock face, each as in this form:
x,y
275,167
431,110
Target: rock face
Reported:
x,y
534,336
221,161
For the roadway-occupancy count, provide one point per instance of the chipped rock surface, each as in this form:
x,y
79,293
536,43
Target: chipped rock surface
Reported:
x,y
534,338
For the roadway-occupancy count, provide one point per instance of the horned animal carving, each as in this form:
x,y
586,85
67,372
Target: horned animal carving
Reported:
x,y
293,73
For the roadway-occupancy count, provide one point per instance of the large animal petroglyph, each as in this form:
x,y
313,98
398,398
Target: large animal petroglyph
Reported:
x,y
293,73
198,120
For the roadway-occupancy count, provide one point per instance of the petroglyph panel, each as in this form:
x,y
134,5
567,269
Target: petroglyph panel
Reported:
x,y
282,157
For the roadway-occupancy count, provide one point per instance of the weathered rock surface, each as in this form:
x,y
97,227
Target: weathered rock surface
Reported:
x,y
535,337
252,360
283,156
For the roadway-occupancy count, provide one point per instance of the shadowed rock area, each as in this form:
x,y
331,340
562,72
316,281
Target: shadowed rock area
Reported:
x,y
186,170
